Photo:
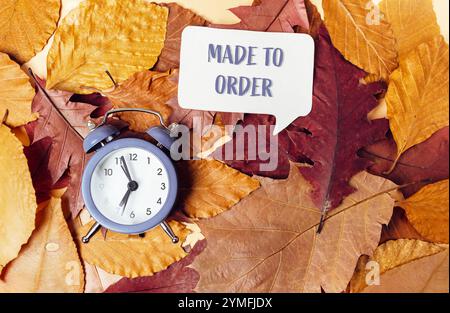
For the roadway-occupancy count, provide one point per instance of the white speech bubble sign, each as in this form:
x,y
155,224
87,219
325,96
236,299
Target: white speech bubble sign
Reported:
x,y
240,71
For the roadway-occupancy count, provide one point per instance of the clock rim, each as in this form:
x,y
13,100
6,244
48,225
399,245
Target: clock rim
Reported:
x,y
152,222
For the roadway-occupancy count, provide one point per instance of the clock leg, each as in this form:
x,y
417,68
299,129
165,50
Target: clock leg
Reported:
x,y
169,232
94,229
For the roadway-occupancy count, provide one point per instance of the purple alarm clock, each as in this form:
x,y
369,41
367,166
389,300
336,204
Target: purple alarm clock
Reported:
x,y
130,185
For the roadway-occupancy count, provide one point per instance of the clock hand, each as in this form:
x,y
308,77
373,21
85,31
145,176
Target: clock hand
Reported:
x,y
124,167
123,203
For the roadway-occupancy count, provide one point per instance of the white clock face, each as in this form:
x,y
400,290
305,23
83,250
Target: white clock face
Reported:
x,y
129,186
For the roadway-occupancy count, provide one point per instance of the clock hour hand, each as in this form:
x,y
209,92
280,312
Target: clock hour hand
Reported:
x,y
124,201
124,167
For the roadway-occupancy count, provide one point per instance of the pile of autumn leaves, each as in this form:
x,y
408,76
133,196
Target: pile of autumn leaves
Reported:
x,y
347,157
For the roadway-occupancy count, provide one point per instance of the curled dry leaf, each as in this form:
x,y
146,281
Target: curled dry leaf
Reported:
x,y
271,16
179,19
26,25
364,38
49,262
252,248
148,90
16,94
123,37
17,199
421,79
428,211
132,256
209,187
178,278
399,228
405,266
412,21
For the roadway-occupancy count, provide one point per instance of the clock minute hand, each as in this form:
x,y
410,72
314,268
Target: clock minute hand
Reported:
x,y
124,201
124,167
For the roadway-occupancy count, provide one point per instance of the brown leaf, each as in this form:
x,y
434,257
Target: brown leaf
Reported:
x,y
268,242
370,46
16,94
428,211
178,278
49,262
421,79
17,199
132,256
26,25
179,18
209,187
148,90
399,228
406,266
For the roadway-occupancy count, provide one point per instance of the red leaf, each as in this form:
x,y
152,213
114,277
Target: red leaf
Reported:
x,y
66,130
176,278
332,134
179,19
271,16
423,164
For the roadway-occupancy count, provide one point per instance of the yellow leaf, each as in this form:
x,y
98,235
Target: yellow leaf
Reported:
x,y
148,90
26,25
403,265
49,262
361,35
417,97
133,256
16,93
210,187
412,21
427,210
123,37
17,199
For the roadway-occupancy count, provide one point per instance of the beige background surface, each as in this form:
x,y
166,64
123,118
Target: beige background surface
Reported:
x,y
217,11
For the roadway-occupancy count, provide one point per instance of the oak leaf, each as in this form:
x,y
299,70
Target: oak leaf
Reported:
x,y
123,37
406,266
65,122
367,43
421,80
132,256
178,278
427,210
420,165
49,262
269,241
209,187
179,18
412,21
16,94
270,16
148,90
26,25
17,199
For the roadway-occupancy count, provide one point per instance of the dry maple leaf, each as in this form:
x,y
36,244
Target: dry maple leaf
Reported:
x,y
399,228
406,266
422,164
49,262
85,46
26,25
148,90
179,18
427,210
17,199
253,247
178,278
132,256
209,187
421,79
412,21
271,16
64,124
369,44
16,94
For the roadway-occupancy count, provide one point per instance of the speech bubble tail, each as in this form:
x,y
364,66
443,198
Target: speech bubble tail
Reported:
x,y
282,123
